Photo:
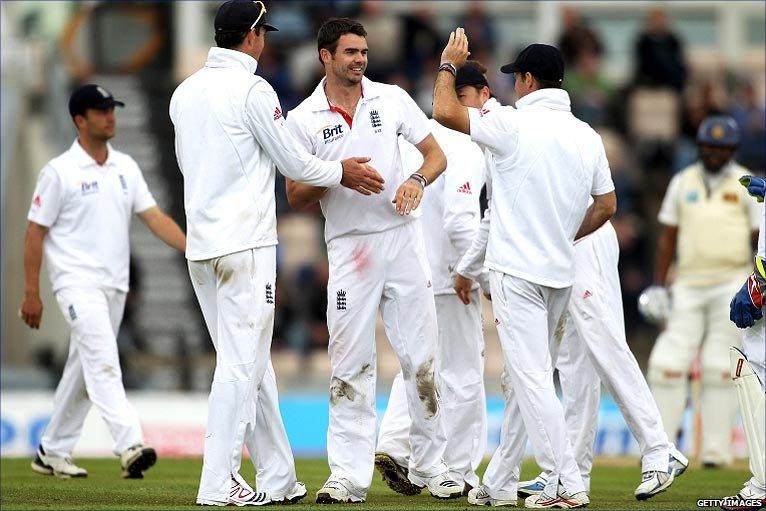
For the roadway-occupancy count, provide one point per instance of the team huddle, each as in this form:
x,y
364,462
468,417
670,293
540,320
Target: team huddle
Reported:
x,y
405,236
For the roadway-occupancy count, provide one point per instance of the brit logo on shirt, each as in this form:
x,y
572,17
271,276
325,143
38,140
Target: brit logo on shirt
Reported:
x,y
375,121
124,184
332,133
88,188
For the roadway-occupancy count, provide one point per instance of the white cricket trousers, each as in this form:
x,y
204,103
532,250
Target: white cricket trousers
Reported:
x,y
526,315
698,313
460,376
387,270
594,350
92,372
236,293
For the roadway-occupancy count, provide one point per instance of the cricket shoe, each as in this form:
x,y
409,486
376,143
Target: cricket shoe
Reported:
x,y
749,498
479,496
533,487
336,491
561,501
136,460
242,494
297,493
63,468
678,462
441,486
394,475
653,482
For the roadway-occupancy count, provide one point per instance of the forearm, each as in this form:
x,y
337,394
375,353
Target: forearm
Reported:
x,y
602,209
447,110
301,196
33,257
168,231
434,163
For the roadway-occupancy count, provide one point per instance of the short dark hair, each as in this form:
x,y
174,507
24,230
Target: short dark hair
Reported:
x,y
548,84
332,29
230,39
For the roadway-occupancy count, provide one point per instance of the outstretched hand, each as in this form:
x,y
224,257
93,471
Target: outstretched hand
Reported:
x,y
456,52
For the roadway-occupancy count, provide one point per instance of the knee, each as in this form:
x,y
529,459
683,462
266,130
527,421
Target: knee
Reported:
x,y
353,386
715,370
667,364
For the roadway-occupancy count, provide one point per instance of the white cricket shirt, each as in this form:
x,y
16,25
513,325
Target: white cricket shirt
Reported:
x,y
230,134
450,205
87,208
547,165
384,112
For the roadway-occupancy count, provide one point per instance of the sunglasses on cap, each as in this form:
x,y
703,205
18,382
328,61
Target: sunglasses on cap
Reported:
x,y
260,15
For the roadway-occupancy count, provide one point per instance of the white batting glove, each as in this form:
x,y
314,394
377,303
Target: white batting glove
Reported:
x,y
654,304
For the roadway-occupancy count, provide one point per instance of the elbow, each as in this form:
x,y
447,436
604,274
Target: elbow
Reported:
x,y
440,160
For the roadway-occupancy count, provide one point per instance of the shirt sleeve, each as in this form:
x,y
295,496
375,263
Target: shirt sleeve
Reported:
x,y
602,177
463,180
471,265
267,125
298,132
142,197
48,198
668,214
413,125
493,128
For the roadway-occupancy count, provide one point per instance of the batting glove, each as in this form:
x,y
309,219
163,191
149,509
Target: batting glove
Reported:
x,y
654,304
745,307
756,186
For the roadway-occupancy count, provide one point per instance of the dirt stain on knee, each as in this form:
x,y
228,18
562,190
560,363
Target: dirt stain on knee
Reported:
x,y
424,379
340,389
558,333
109,370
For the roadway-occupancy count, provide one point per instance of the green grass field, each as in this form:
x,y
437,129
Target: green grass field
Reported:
x,y
172,484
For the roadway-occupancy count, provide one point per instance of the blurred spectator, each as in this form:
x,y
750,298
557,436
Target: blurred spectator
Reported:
x,y
479,27
659,54
749,112
382,29
421,41
590,92
576,38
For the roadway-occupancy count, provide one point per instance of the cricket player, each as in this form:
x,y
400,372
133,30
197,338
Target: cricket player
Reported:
x,y
377,260
230,134
451,216
747,369
546,166
708,221
80,217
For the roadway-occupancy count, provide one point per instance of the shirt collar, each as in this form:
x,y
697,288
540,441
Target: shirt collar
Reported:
x,y
83,159
318,100
554,99
223,57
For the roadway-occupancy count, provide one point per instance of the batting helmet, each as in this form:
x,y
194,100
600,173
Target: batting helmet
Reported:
x,y
719,131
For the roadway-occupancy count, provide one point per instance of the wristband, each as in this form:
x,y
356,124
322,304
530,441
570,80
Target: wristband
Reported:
x,y
420,178
449,67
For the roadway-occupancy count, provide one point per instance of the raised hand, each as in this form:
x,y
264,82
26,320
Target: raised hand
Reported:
x,y
456,52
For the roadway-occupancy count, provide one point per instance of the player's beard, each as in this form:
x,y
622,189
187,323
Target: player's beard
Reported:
x,y
347,77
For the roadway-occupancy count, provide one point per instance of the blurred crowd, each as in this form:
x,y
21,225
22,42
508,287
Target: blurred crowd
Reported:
x,y
648,124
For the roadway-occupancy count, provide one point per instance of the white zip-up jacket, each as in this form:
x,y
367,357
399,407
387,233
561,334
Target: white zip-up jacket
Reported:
x,y
450,205
230,134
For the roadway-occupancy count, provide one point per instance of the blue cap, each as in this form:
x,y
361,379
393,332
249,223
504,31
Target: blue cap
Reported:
x,y
719,131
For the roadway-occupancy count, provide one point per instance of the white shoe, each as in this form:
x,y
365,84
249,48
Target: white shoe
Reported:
x,y
749,498
479,496
63,468
297,493
136,460
678,462
242,494
441,486
336,491
533,487
560,501
652,483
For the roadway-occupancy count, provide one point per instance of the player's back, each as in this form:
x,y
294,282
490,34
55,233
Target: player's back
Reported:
x,y
228,179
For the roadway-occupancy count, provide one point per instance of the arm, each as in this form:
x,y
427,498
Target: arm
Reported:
x,y
666,250
301,196
447,110
164,228
32,307
410,193
603,208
